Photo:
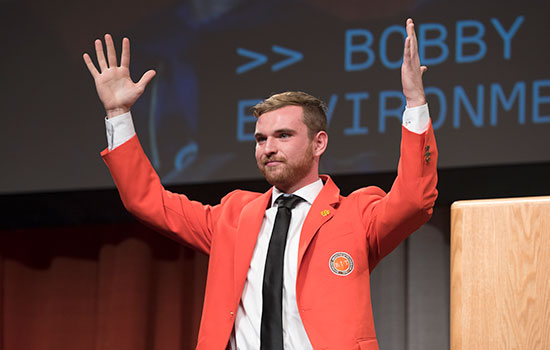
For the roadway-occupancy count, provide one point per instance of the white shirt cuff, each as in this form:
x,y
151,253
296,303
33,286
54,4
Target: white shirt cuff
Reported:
x,y
417,119
119,130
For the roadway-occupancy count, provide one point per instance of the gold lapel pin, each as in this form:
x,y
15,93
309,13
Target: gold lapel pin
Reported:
x,y
325,212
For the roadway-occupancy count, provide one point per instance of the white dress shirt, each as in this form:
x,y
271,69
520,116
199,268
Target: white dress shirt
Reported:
x,y
246,334
249,315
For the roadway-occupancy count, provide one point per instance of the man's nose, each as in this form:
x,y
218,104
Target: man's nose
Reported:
x,y
270,146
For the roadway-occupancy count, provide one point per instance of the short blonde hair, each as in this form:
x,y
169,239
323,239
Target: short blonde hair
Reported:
x,y
314,110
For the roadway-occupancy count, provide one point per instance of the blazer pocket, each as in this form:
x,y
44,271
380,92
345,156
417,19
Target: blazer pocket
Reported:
x,y
368,344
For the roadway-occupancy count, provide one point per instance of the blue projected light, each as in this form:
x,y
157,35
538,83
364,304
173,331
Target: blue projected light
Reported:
x,y
473,40
293,57
260,59
400,30
439,42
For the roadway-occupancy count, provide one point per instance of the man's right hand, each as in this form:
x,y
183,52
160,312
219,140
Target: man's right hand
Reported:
x,y
114,86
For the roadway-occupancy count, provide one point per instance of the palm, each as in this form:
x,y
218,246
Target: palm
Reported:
x,y
115,88
411,70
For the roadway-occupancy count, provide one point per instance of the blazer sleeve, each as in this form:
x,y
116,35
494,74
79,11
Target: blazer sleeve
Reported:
x,y
143,195
390,218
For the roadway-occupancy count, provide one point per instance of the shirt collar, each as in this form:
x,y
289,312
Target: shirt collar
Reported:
x,y
308,193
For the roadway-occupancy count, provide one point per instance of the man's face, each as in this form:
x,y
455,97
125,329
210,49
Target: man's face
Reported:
x,y
284,152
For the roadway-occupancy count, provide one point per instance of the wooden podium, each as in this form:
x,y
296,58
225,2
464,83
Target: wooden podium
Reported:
x,y
500,274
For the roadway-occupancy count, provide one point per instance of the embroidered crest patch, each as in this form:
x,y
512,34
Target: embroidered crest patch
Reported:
x,y
341,264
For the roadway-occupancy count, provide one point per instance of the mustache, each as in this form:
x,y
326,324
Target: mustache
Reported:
x,y
267,159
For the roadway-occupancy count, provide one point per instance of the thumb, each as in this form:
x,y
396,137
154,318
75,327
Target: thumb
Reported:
x,y
423,69
146,78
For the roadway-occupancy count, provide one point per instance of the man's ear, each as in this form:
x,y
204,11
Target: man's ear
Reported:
x,y
320,143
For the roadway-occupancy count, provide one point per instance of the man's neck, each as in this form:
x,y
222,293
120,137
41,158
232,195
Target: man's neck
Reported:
x,y
308,192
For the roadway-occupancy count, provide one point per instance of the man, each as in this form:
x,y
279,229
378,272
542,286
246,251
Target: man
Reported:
x,y
305,286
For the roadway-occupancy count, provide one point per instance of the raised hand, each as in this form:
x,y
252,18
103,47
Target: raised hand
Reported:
x,y
411,70
115,88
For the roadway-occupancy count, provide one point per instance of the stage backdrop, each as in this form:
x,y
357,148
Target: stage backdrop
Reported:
x,y
488,83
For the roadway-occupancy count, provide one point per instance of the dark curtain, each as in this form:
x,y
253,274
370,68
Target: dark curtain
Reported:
x,y
98,287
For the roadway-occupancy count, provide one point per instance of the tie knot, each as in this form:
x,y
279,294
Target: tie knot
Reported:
x,y
288,201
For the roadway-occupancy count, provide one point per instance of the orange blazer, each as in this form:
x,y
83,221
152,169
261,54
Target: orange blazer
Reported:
x,y
366,225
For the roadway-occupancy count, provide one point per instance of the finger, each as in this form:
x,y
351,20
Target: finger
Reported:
x,y
111,52
146,78
423,69
100,55
407,50
125,57
408,27
412,34
90,65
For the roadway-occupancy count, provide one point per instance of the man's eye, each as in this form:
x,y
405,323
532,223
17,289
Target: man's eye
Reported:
x,y
284,135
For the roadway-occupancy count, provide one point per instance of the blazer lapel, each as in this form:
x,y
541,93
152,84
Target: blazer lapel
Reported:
x,y
250,223
321,211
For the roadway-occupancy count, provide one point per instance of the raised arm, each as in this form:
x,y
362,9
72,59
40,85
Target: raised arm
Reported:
x,y
409,204
115,88
138,184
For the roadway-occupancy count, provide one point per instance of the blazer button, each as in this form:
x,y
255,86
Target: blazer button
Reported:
x,y
231,313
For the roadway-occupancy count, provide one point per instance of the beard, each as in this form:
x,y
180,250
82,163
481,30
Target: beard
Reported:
x,y
285,174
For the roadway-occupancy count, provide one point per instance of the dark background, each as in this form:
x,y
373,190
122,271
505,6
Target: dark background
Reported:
x,y
187,120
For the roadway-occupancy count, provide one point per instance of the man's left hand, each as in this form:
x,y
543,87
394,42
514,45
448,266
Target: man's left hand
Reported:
x,y
411,70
